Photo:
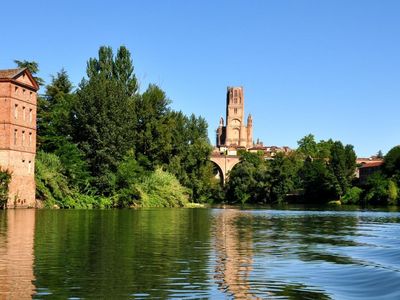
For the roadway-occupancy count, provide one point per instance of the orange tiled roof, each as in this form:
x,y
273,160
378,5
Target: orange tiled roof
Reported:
x,y
372,164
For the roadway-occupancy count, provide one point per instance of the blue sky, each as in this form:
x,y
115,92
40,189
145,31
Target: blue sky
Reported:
x,y
331,68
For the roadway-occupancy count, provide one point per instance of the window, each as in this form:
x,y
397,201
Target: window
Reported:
x,y
235,100
16,111
235,111
30,138
30,95
23,113
23,91
15,136
235,93
16,90
23,137
29,167
30,115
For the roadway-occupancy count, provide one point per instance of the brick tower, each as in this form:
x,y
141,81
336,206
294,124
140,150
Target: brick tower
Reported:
x,y
236,132
18,134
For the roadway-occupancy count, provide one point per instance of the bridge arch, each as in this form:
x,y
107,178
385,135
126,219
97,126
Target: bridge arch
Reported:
x,y
225,163
220,172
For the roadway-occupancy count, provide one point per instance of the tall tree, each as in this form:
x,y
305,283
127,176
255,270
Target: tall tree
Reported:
x,y
104,115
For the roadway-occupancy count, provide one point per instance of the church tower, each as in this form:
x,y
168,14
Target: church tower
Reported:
x,y
18,134
235,133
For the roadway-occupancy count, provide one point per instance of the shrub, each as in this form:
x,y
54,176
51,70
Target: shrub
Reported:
x,y
352,196
161,189
5,178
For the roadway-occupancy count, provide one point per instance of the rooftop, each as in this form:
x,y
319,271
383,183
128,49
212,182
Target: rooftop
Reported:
x,y
10,73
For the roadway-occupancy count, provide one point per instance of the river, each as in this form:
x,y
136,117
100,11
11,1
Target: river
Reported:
x,y
199,253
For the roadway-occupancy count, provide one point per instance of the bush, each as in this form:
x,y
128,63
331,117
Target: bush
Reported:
x,y
352,196
161,189
51,185
5,178
82,201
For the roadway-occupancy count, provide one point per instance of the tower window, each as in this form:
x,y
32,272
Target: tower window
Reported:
x,y
30,138
235,93
23,113
30,115
29,167
15,136
235,111
235,100
16,111
23,137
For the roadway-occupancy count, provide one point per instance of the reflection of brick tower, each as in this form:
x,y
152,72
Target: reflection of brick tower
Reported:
x,y
235,133
18,134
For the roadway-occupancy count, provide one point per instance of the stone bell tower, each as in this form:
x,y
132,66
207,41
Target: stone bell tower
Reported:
x,y
18,134
235,133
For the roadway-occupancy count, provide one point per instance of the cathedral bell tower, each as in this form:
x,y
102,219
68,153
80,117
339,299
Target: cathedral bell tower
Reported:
x,y
235,133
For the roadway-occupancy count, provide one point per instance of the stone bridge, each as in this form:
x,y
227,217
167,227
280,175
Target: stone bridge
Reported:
x,y
224,164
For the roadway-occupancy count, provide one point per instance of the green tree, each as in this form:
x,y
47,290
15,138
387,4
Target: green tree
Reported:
x,y
377,189
317,181
242,185
282,174
104,116
54,113
391,165
308,146
33,67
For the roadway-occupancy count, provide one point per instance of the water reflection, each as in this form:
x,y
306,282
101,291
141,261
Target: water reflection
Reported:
x,y
17,229
234,255
120,254
199,254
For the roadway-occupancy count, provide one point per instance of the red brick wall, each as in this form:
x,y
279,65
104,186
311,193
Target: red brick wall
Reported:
x,y
18,139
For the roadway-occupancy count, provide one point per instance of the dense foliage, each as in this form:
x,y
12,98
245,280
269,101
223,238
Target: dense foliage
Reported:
x,y
316,173
107,145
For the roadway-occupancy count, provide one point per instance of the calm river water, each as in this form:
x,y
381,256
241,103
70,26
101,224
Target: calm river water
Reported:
x,y
199,253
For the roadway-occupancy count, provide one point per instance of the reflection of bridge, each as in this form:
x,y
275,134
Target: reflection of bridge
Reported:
x,y
224,163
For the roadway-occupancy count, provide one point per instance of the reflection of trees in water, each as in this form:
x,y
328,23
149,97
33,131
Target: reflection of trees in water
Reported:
x,y
110,254
234,257
16,253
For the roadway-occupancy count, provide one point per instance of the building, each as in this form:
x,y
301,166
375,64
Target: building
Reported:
x,y
366,167
18,134
235,133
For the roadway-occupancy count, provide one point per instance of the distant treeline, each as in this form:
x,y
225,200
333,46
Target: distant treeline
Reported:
x,y
105,144
316,173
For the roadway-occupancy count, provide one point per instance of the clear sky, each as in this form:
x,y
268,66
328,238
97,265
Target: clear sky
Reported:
x,y
331,68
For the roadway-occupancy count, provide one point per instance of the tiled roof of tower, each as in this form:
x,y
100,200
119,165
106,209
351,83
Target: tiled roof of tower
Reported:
x,y
10,73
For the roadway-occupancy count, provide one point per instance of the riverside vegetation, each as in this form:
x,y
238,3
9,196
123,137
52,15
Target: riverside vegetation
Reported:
x,y
105,144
